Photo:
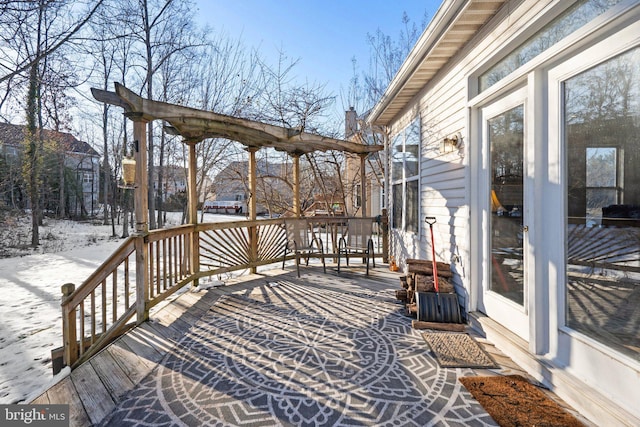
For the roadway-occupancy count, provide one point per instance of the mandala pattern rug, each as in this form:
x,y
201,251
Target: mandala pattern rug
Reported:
x,y
291,355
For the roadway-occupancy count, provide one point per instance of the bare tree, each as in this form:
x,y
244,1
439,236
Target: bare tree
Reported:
x,y
227,77
15,16
162,29
30,34
108,48
366,88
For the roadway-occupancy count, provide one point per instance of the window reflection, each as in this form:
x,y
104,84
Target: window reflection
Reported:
x,y
412,146
397,157
412,206
602,124
397,206
404,176
572,19
601,181
506,138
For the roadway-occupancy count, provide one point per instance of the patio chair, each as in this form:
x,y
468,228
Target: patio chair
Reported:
x,y
358,240
300,243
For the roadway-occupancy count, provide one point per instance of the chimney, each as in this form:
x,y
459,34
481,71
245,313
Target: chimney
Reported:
x,y
350,123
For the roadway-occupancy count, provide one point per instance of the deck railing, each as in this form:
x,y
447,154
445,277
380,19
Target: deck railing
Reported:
x,y
146,269
100,308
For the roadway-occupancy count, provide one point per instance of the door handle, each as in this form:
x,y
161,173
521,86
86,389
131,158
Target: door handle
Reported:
x,y
524,228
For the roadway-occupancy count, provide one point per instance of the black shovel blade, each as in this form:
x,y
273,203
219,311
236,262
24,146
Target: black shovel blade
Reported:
x,y
438,307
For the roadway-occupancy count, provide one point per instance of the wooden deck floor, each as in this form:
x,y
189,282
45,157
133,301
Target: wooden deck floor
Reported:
x,y
93,390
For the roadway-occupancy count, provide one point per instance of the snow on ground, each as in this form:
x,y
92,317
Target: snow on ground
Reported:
x,y
30,313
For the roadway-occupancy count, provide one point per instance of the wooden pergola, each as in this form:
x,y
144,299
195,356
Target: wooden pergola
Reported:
x,y
196,125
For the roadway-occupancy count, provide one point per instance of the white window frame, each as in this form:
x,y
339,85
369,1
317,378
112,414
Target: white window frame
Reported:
x,y
404,179
600,53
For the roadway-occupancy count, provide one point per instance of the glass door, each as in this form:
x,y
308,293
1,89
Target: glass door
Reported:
x,y
504,288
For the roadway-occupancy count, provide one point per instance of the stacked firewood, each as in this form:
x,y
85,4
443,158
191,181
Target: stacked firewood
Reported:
x,y
419,278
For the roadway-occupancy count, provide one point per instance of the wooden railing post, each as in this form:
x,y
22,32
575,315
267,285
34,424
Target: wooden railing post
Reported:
x,y
194,237
69,335
385,236
142,216
363,185
253,229
297,211
142,278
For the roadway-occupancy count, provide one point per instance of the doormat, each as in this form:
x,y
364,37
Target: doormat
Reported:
x,y
458,350
513,401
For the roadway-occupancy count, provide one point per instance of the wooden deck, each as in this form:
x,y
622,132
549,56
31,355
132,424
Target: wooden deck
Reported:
x,y
94,389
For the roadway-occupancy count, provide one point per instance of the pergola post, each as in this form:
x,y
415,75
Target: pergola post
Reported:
x,y
141,205
194,243
297,211
363,184
253,206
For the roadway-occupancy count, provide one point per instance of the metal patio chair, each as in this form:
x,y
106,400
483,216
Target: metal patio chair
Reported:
x,y
358,240
302,242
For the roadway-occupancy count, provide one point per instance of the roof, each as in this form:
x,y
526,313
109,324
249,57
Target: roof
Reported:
x,y
196,125
14,135
453,25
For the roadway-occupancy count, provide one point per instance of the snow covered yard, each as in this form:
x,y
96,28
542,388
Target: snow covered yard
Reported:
x,y
30,281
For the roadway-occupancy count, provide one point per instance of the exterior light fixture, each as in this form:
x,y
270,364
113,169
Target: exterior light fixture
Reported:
x,y
129,168
448,144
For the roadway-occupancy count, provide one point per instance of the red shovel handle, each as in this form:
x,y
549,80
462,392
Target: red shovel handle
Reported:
x,y
432,220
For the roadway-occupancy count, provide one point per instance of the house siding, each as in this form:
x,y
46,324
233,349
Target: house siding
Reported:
x,y
595,379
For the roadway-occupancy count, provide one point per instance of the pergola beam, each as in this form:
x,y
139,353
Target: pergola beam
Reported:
x,y
197,125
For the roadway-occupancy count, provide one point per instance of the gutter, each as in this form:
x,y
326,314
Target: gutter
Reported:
x,y
444,17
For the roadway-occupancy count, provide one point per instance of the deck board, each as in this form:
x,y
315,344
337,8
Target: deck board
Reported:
x,y
116,381
95,397
167,334
93,389
134,366
141,346
65,392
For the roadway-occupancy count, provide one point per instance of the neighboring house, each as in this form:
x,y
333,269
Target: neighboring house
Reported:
x,y
81,161
516,125
230,184
174,180
274,193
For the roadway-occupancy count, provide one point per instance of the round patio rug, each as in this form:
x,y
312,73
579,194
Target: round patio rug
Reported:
x,y
292,355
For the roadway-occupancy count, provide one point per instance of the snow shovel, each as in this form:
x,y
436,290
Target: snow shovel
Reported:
x,y
434,306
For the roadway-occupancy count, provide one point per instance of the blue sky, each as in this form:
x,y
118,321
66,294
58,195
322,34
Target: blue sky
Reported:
x,y
323,34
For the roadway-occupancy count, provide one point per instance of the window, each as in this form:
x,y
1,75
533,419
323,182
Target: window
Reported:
x,y
405,167
506,143
601,127
572,19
